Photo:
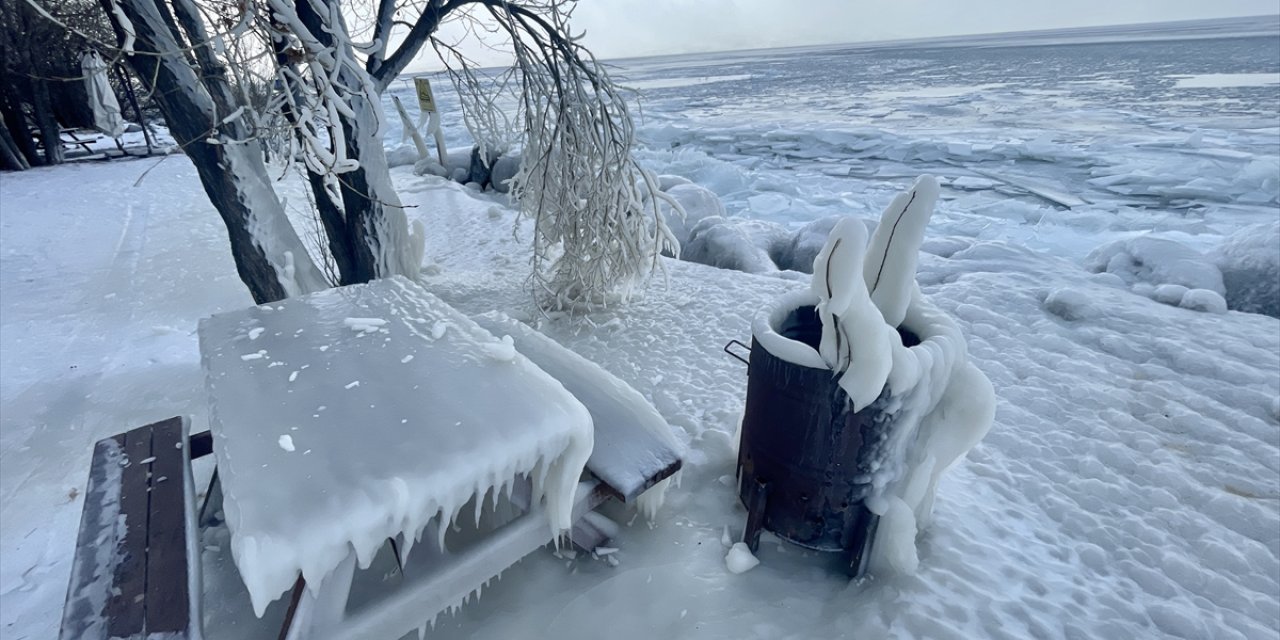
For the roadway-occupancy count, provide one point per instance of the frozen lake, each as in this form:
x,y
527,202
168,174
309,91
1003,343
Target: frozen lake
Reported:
x,y
1149,132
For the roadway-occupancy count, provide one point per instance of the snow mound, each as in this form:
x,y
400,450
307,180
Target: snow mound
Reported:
x,y
1203,300
1249,261
1068,303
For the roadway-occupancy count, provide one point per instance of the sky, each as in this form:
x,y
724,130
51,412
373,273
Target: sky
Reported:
x,y
627,28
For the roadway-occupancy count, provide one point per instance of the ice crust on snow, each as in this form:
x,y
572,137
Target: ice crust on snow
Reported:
x,y
370,476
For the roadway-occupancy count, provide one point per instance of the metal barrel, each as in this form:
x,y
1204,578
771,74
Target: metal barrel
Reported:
x,y
805,459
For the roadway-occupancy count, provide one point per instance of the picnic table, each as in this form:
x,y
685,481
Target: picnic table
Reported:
x,y
352,421
357,415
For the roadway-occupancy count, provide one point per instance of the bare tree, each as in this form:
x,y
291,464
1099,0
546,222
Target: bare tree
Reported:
x,y
595,234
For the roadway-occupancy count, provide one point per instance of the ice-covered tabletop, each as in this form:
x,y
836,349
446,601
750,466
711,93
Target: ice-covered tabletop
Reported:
x,y
352,415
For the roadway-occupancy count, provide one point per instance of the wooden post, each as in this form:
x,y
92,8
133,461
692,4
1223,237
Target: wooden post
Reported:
x,y
427,103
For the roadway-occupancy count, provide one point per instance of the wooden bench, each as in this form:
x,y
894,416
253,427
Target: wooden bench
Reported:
x,y
136,570
132,576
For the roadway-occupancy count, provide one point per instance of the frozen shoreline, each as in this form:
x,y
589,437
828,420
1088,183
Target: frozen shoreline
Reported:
x,y
1127,488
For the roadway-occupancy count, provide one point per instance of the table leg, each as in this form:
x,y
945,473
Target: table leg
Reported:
x,y
325,608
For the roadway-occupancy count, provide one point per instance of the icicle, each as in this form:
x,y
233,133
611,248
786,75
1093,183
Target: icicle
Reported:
x,y
441,529
406,545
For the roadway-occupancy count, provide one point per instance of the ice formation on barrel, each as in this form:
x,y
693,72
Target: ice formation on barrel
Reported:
x,y
942,405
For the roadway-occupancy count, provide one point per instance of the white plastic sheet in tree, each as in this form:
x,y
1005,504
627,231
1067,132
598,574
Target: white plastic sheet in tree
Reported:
x,y
106,109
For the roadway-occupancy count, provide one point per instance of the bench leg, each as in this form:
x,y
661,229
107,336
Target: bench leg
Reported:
x,y
212,502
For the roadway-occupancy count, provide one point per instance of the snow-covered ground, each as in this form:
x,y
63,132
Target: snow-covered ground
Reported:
x,y
1130,486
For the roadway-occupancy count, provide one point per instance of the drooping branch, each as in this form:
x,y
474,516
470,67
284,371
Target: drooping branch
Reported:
x,y
596,234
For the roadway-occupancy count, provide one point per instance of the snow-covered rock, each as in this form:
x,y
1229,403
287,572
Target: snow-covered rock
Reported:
x,y
735,243
698,202
806,244
1156,261
503,171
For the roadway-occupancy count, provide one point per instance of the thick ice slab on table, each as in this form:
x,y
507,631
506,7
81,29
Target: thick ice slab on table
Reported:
x,y
634,445
352,415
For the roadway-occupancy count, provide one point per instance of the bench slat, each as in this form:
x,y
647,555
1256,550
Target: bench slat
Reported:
x,y
125,611
167,609
91,574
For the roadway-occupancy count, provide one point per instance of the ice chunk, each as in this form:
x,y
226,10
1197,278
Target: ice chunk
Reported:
x,y
1170,294
286,442
503,350
364,325
740,559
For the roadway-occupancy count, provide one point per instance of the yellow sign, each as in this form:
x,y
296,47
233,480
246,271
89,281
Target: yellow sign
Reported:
x,y
426,101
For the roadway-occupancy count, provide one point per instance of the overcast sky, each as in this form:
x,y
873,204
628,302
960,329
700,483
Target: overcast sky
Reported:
x,y
624,28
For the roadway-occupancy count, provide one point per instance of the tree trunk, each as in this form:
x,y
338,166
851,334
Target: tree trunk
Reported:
x,y
269,256
50,131
377,232
19,131
10,158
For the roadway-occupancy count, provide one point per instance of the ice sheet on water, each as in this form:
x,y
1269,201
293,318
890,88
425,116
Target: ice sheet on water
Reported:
x,y
402,440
